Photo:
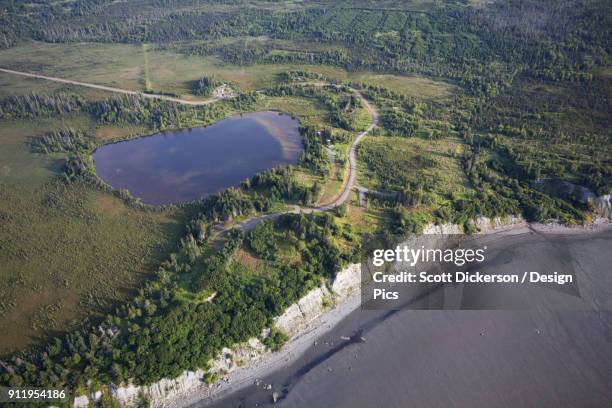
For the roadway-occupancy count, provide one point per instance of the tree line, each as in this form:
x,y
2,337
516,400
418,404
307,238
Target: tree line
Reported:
x,y
159,334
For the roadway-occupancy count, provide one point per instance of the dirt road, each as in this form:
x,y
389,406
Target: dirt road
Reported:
x,y
249,224
252,222
350,184
111,89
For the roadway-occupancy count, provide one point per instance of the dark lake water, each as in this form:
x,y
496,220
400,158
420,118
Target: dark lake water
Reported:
x,y
184,165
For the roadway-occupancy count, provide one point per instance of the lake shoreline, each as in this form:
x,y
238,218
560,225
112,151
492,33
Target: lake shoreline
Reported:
x,y
174,167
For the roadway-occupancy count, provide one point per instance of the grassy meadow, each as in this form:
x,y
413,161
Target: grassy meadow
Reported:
x,y
71,252
147,67
413,158
68,251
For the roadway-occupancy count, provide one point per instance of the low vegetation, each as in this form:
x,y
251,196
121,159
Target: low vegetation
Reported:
x,y
168,328
491,109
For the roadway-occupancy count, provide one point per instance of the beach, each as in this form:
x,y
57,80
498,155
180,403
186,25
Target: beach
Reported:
x,y
323,352
246,377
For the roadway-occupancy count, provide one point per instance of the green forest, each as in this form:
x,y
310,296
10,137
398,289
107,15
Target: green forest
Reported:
x,y
522,128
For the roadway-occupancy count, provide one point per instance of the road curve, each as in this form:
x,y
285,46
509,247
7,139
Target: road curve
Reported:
x,y
111,89
348,187
251,222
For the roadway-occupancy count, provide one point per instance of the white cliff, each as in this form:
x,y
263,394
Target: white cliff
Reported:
x,y
296,318
483,224
486,225
603,205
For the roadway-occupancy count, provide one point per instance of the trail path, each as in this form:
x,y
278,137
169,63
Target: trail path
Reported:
x,y
111,89
348,186
340,199
251,222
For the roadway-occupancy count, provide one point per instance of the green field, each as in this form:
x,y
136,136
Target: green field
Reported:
x,y
137,67
485,108
68,251
408,161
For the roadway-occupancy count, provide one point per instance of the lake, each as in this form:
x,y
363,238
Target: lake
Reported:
x,y
184,165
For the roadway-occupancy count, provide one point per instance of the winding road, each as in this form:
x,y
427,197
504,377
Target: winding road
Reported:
x,y
341,199
251,222
344,195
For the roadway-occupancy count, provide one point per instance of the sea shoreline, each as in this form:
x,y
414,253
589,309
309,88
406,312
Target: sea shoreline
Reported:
x,y
270,362
316,314
300,342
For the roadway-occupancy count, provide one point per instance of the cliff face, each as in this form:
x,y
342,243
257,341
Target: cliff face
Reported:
x,y
316,302
306,309
347,281
296,318
130,395
603,205
484,225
